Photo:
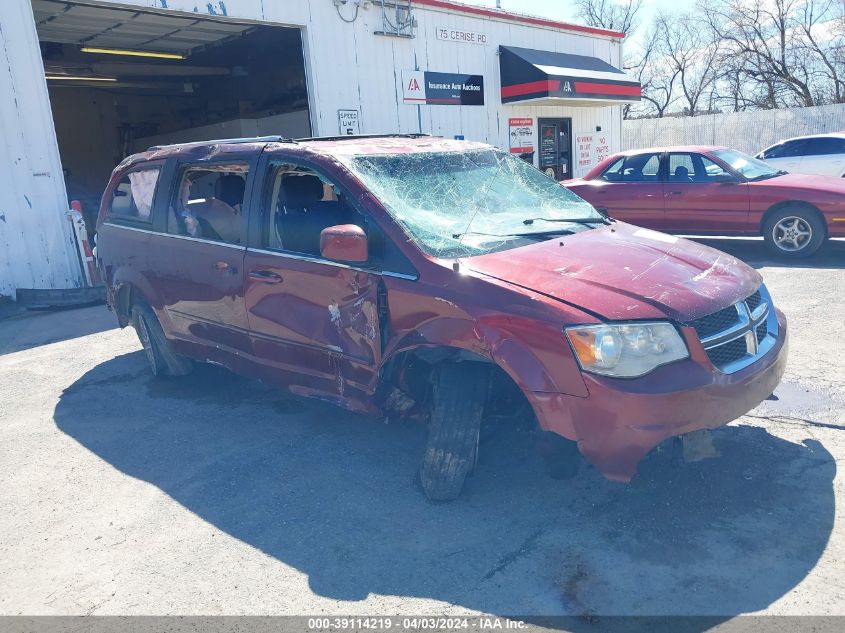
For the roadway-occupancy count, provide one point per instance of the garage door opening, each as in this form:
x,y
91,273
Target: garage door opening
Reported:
x,y
123,80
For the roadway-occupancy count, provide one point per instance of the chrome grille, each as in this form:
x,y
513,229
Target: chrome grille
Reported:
x,y
738,335
716,322
725,354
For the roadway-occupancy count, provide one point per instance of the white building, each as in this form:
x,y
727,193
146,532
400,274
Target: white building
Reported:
x,y
75,96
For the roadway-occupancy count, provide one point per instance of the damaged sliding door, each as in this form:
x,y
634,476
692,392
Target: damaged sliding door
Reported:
x,y
314,325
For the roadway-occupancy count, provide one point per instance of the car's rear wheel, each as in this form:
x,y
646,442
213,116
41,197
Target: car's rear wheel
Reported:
x,y
460,393
163,361
794,232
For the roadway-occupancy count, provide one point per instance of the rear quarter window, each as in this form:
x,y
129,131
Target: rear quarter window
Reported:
x,y
132,197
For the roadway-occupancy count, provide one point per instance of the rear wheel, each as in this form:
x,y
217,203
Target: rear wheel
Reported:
x,y
163,361
460,393
794,232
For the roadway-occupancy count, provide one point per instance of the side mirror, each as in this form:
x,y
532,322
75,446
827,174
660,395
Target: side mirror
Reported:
x,y
344,243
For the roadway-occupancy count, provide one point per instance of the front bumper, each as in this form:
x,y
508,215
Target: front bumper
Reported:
x,y
620,421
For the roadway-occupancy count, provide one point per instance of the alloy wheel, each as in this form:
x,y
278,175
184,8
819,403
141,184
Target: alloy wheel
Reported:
x,y
792,233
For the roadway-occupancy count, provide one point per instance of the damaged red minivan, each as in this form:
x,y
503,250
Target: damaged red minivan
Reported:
x,y
440,279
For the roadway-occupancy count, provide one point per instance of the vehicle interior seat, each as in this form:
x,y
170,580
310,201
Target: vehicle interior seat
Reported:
x,y
302,214
230,189
681,174
217,219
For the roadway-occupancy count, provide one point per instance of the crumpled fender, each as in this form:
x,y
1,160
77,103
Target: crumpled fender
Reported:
x,y
533,353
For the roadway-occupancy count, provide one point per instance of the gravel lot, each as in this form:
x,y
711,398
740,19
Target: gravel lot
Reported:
x,y
121,494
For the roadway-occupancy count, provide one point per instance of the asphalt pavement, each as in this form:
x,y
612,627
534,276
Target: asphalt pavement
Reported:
x,y
213,494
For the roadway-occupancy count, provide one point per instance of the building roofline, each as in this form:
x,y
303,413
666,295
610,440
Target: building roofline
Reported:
x,y
518,17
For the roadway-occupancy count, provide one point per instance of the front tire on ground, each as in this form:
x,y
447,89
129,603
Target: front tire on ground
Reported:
x,y
162,359
460,393
794,232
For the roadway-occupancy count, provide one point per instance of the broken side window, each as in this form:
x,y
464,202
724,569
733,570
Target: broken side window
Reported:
x,y
132,198
208,202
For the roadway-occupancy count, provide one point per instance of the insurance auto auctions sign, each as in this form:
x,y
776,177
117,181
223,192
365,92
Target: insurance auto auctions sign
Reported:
x,y
426,87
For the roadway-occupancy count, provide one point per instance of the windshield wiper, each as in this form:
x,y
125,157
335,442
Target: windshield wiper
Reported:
x,y
599,220
528,234
552,233
767,176
457,236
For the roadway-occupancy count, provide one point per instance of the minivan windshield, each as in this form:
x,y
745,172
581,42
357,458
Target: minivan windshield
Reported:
x,y
463,203
750,168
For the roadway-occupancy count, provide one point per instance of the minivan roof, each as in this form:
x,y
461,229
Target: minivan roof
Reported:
x,y
371,144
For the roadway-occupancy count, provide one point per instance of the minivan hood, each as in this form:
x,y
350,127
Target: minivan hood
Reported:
x,y
621,272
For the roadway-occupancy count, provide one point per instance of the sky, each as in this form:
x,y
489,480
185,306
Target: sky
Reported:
x,y
565,11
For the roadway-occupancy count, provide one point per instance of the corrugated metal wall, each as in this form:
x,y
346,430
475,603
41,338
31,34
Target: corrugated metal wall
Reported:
x,y
348,67
35,236
749,132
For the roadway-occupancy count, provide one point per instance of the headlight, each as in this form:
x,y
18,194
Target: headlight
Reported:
x,y
626,350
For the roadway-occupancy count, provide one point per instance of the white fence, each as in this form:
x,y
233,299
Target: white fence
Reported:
x,y
746,131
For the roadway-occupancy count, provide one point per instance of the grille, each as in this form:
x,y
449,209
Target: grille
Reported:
x,y
735,321
727,353
716,322
753,301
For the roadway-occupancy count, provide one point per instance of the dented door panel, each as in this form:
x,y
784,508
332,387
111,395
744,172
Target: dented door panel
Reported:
x,y
315,321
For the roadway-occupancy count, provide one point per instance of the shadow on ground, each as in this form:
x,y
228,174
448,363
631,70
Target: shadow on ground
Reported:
x,y
332,494
28,329
754,253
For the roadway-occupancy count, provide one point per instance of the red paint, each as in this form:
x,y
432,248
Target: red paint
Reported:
x,y
516,17
587,87
709,208
344,243
328,329
545,85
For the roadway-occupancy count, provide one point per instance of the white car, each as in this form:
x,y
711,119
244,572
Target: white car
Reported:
x,y
819,154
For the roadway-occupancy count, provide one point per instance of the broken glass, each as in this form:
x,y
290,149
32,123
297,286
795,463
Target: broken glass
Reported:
x,y
463,203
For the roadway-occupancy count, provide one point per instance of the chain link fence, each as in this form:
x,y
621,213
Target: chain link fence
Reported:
x,y
749,132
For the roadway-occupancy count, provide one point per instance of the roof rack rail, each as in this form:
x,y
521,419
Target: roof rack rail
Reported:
x,y
352,137
227,141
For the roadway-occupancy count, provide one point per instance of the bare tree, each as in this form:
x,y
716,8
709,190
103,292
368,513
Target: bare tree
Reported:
x,y
822,35
782,46
690,53
623,16
657,75
615,15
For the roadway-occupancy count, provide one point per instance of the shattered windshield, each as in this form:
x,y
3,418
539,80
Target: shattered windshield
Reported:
x,y
456,204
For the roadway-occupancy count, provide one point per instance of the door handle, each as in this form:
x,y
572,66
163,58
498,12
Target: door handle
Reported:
x,y
676,193
266,276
